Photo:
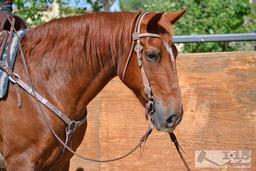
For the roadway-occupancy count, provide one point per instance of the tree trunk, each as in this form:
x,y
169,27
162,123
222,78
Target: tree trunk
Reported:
x,y
107,4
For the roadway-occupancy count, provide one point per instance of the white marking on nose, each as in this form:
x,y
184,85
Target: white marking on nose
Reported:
x,y
170,51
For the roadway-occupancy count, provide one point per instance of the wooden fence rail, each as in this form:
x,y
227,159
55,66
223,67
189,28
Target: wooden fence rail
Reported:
x,y
219,95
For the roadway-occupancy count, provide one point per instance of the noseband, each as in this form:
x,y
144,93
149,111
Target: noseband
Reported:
x,y
137,47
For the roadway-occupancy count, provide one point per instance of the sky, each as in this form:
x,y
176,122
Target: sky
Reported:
x,y
115,6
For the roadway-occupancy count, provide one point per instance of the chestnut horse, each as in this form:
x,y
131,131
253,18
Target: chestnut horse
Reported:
x,y
70,60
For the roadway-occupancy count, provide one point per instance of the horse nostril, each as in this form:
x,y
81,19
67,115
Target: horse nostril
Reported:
x,y
152,121
171,120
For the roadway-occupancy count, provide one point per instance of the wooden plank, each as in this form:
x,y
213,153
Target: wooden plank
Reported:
x,y
219,96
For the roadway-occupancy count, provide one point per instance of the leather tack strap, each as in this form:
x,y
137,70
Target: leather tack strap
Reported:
x,y
71,124
14,78
179,149
136,36
138,49
12,22
132,46
12,30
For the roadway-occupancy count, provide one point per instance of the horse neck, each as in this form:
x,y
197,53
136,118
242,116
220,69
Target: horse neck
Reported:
x,y
77,67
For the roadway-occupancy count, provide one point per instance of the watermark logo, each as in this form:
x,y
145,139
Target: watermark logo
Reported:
x,y
223,159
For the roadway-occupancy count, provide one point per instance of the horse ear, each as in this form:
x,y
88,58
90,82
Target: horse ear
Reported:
x,y
156,17
151,21
173,17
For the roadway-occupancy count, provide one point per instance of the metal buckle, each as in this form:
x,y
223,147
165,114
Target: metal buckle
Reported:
x,y
150,108
72,126
16,76
138,48
135,36
148,92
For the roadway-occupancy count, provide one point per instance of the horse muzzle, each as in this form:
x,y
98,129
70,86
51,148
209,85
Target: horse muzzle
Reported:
x,y
163,119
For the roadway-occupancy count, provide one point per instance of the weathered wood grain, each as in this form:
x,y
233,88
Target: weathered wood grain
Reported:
x,y
219,95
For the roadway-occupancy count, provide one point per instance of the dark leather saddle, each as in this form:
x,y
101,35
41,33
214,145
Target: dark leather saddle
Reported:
x,y
5,24
5,27
4,34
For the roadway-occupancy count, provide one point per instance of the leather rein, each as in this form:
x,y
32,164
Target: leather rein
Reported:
x,y
138,48
72,125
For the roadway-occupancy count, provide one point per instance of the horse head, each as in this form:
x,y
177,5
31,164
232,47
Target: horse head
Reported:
x,y
151,69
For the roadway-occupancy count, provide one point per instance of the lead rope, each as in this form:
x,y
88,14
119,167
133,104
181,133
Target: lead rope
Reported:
x,y
178,148
147,88
142,140
65,146
39,106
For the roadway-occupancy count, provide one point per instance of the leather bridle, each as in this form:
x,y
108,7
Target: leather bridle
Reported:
x,y
137,47
72,125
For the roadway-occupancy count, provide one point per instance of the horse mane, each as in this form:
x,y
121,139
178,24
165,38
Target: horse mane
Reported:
x,y
93,38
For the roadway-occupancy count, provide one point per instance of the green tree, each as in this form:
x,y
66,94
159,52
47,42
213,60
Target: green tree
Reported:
x,y
204,17
34,10
133,5
31,9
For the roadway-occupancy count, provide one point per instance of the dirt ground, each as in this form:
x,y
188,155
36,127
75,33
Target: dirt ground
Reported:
x,y
219,96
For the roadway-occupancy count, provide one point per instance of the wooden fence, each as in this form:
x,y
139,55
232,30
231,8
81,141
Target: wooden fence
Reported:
x,y
219,96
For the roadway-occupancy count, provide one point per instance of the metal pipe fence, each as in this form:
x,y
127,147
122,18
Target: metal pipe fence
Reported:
x,y
215,38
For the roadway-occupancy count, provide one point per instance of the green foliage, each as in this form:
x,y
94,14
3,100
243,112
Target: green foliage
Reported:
x,y
133,5
65,9
204,17
31,9
96,5
250,21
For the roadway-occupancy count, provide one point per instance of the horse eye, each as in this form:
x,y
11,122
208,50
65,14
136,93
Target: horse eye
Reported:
x,y
152,56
